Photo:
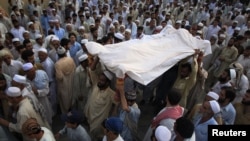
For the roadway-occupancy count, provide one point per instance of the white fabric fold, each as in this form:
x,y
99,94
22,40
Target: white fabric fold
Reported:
x,y
147,58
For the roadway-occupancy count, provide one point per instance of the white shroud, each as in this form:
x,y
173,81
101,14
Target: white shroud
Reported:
x,y
147,58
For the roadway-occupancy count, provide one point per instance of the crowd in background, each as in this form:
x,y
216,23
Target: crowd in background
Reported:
x,y
47,70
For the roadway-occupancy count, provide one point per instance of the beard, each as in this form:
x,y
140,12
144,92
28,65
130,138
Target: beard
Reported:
x,y
101,86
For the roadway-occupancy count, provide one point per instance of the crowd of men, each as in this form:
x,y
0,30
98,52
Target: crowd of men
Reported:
x,y
47,70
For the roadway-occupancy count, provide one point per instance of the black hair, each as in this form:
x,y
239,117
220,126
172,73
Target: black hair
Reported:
x,y
26,41
174,96
229,93
187,65
18,48
26,54
184,127
64,41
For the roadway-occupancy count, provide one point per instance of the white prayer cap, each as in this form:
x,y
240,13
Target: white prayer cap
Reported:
x,y
235,21
128,30
111,26
159,27
19,79
214,106
213,95
232,74
178,22
68,24
81,27
53,9
222,36
37,36
27,66
199,31
55,38
83,57
61,50
51,20
115,21
99,16
13,92
26,31
30,23
109,19
200,24
108,75
15,40
87,12
162,133
86,8
168,14
119,36
84,41
122,26
237,28
42,49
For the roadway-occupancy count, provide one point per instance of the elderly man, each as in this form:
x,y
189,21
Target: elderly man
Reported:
x,y
208,110
9,65
25,111
38,81
49,68
65,69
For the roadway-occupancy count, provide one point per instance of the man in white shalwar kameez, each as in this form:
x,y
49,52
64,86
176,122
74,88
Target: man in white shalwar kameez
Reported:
x,y
38,81
49,68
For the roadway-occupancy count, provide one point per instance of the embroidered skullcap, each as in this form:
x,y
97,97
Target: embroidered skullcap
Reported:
x,y
214,106
19,79
15,40
213,95
30,126
108,75
13,92
61,50
162,133
83,57
43,50
27,66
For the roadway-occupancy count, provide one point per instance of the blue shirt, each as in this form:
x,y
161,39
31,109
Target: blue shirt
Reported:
x,y
228,114
201,129
133,116
74,48
45,23
60,33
